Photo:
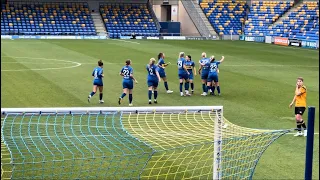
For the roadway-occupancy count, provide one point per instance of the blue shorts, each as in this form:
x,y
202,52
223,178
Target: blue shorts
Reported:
x,y
127,84
204,75
191,76
97,83
184,76
162,73
213,78
153,83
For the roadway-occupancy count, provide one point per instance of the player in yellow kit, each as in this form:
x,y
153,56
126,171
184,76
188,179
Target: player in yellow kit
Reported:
x,y
300,100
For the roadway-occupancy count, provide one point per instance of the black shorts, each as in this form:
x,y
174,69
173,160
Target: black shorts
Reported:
x,y
299,110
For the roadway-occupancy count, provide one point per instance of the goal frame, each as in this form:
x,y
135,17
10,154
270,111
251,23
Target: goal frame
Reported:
x,y
109,109
217,139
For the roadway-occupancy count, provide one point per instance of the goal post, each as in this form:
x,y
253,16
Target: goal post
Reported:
x,y
175,142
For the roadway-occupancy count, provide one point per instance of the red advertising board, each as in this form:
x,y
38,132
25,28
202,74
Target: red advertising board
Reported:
x,y
281,41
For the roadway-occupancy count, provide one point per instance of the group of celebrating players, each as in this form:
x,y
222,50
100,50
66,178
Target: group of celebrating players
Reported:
x,y
156,72
209,69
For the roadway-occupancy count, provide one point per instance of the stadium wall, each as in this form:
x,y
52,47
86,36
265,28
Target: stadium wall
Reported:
x,y
178,14
187,26
159,2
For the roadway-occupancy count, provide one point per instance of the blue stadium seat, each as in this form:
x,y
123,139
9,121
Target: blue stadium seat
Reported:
x,y
125,19
46,18
301,23
226,16
263,14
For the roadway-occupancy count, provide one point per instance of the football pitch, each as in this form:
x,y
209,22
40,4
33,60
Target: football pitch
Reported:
x,y
257,84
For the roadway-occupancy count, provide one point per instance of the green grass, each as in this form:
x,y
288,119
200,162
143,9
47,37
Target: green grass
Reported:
x,y
257,84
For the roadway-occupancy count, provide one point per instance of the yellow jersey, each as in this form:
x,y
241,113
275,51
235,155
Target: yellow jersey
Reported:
x,y
301,100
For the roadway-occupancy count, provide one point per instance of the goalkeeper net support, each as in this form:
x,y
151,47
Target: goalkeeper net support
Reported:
x,y
194,142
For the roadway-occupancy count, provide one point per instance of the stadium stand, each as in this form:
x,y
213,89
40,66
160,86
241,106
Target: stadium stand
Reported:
x,y
125,19
226,16
264,13
46,19
301,23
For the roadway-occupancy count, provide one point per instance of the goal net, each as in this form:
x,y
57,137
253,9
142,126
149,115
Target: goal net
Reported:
x,y
128,143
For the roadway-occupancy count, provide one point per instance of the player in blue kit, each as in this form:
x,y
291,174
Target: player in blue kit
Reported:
x,y
161,69
127,82
213,73
97,81
183,74
204,71
190,65
153,79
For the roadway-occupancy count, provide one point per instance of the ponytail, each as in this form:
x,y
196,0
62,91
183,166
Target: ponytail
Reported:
x,y
128,62
160,55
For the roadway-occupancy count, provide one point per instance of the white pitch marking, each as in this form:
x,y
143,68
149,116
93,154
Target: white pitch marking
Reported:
x,y
24,62
42,69
295,133
125,41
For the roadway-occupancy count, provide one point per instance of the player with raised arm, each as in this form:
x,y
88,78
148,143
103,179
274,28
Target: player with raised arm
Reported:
x,y
161,69
216,83
97,81
190,65
127,82
300,100
183,74
153,80
204,71
213,73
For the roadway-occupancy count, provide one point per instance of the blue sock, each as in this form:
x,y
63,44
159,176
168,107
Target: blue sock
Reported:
x,y
213,89
181,87
92,93
149,94
101,95
155,93
204,88
130,98
208,87
192,86
218,88
123,95
166,85
186,86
